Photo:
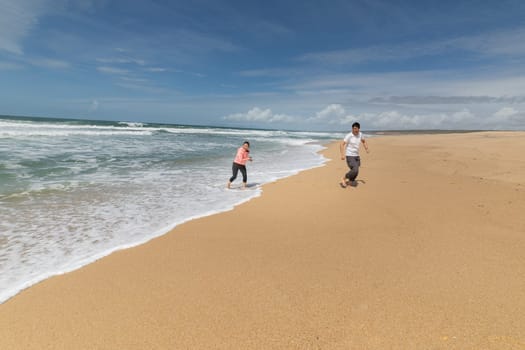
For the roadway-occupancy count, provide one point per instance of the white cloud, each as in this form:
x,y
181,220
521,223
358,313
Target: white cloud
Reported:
x,y
508,117
122,60
501,43
198,43
270,72
9,66
156,70
506,112
445,100
465,119
94,106
395,120
260,115
433,87
333,109
507,43
504,84
49,63
142,86
134,80
335,115
17,19
112,70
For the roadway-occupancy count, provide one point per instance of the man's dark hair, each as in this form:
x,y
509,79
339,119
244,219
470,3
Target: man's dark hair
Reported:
x,y
356,124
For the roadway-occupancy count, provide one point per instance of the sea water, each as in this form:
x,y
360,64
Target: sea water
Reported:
x,y
73,191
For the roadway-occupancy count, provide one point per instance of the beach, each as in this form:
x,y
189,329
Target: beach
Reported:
x,y
427,252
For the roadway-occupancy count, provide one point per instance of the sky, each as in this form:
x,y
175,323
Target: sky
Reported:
x,y
316,65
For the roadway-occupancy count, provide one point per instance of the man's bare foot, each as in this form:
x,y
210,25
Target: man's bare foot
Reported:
x,y
344,182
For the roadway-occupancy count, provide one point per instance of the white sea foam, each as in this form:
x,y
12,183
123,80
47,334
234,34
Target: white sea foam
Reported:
x,y
67,201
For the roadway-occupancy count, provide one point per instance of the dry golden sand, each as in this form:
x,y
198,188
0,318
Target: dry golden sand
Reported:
x,y
428,252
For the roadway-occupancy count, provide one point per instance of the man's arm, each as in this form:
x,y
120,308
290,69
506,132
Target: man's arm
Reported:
x,y
342,147
363,141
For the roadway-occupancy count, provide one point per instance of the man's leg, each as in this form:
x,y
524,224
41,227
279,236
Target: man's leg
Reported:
x,y
353,164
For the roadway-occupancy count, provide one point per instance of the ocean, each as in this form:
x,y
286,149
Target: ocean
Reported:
x,y
73,191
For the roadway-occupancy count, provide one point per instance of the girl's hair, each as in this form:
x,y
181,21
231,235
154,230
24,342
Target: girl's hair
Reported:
x,y
246,143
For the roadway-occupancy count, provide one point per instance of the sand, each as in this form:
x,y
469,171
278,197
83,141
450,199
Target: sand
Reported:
x,y
427,252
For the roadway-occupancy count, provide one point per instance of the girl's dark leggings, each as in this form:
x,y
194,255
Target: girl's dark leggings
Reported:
x,y
235,169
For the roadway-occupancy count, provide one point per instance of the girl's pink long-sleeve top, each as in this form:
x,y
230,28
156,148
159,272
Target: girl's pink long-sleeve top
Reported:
x,y
242,156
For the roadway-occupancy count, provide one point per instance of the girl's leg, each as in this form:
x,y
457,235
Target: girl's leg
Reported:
x,y
244,175
235,170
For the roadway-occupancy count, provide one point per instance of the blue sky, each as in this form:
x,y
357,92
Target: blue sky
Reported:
x,y
308,64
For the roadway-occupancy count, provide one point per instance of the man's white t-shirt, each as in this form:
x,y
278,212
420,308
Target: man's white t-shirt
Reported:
x,y
352,144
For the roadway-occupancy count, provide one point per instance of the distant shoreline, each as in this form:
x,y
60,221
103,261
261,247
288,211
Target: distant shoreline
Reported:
x,y
342,130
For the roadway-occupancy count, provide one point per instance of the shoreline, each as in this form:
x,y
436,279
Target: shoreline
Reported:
x,y
18,277
425,252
